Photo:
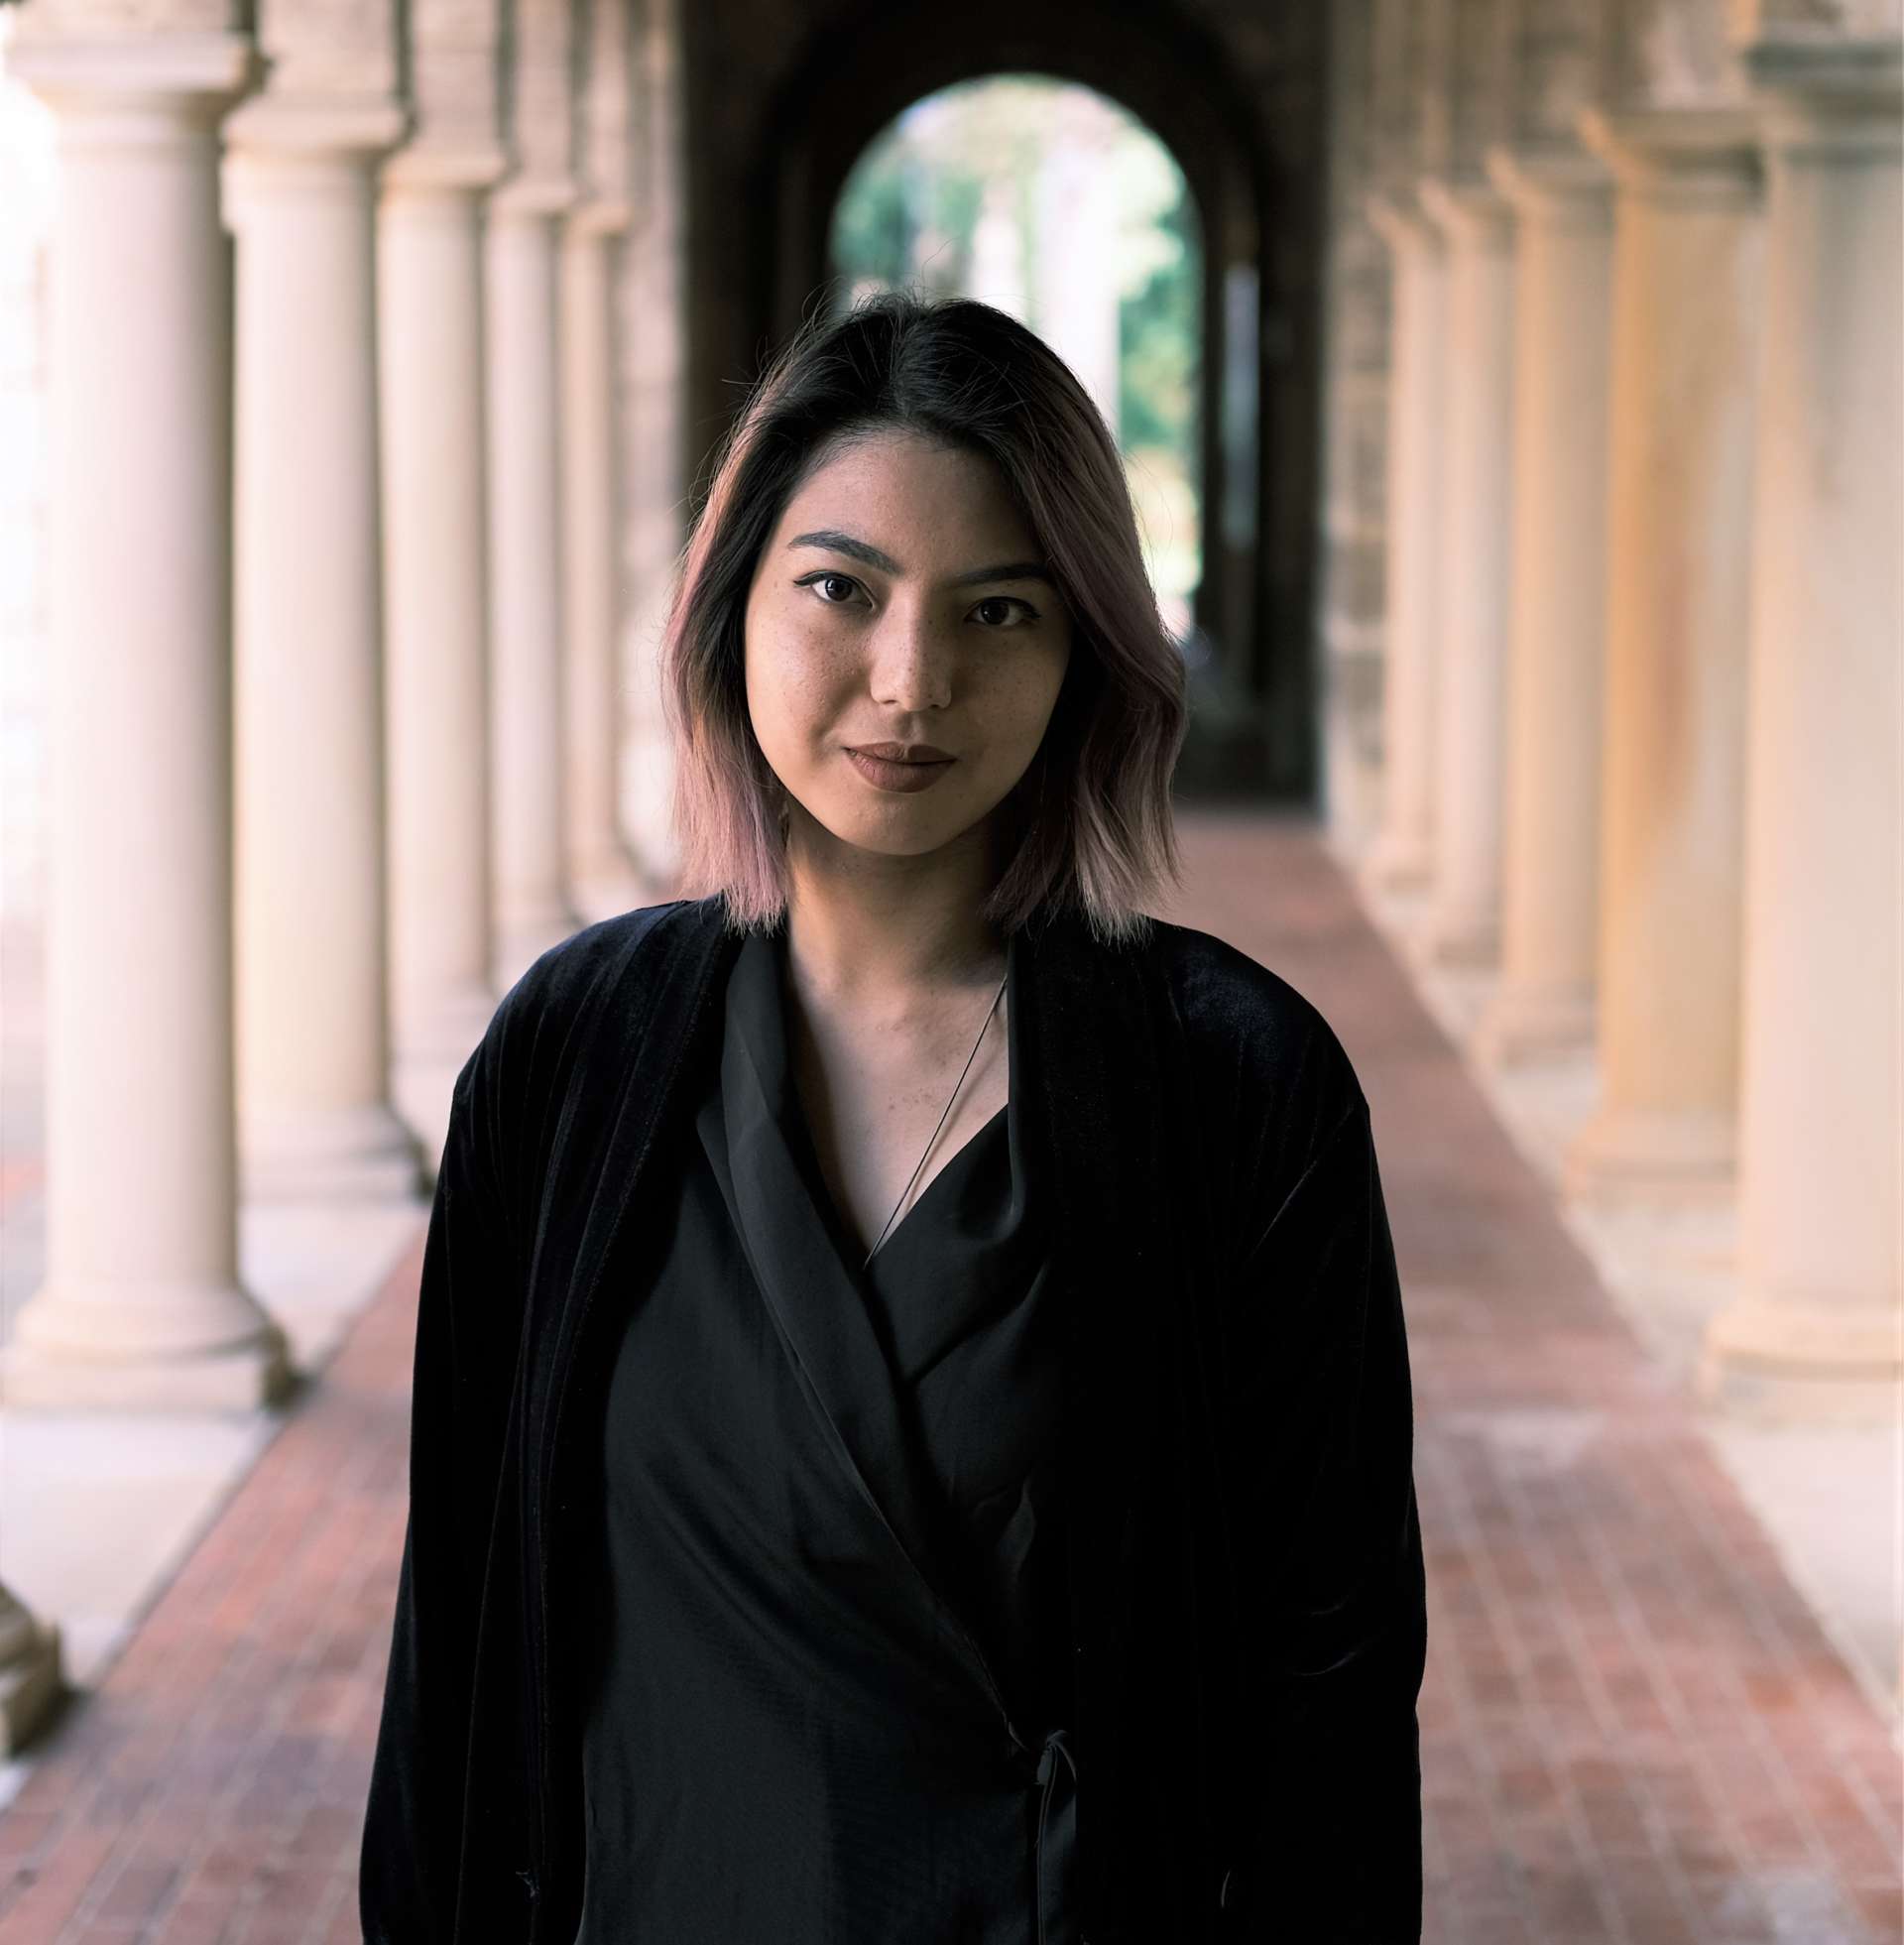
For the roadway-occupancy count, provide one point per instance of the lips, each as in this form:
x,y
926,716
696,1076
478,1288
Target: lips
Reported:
x,y
903,752
903,778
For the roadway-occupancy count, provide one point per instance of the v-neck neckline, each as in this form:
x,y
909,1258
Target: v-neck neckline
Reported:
x,y
760,983
825,1308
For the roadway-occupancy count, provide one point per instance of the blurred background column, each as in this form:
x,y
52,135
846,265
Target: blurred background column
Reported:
x,y
532,909
314,1051
1409,56
600,870
1462,925
1403,851
1561,200
1822,1152
435,572
141,1307
1688,293
1357,358
655,469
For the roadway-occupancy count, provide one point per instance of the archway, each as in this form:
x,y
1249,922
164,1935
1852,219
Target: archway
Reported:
x,y
1254,723
1058,206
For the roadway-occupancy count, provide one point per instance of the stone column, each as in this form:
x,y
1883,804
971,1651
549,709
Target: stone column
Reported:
x,y
312,993
526,510
1462,922
1820,1174
141,1308
601,872
599,866
1403,850
533,910
655,350
1687,294
436,593
1563,207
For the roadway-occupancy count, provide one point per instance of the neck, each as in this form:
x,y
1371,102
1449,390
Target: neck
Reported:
x,y
872,931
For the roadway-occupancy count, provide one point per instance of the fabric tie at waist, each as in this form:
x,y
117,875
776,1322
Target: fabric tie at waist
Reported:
x,y
1055,1852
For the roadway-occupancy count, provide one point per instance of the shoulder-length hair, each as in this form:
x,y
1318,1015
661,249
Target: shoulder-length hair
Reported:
x,y
1089,824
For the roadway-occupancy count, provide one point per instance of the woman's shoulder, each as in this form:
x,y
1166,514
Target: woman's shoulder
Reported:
x,y
1254,1039
540,1014
560,977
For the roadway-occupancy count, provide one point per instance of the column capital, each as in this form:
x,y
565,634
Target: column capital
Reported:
x,y
1829,97
599,215
192,77
437,165
1682,155
311,127
533,195
1568,187
1466,206
1397,218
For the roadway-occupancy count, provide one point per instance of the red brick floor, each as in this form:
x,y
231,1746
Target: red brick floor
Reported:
x,y
1632,1729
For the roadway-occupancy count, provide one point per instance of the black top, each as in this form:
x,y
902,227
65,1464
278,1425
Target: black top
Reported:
x,y
828,1700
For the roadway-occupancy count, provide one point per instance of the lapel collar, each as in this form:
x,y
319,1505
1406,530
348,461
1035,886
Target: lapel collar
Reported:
x,y
1096,1047
819,1306
655,1013
1093,1049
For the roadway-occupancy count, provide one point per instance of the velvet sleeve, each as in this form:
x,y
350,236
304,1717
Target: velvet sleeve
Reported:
x,y
414,1818
1319,1459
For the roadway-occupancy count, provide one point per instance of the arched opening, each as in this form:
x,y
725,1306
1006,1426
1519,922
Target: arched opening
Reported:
x,y
764,222
1061,208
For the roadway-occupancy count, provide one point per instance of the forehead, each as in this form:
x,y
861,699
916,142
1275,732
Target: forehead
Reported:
x,y
941,497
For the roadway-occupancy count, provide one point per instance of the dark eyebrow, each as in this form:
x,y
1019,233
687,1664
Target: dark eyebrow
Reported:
x,y
835,541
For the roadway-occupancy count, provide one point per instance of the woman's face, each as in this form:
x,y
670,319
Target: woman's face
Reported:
x,y
901,600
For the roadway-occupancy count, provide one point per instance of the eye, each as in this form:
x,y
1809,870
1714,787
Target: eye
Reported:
x,y
835,590
999,606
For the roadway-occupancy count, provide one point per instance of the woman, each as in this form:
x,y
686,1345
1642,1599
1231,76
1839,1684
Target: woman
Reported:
x,y
912,1428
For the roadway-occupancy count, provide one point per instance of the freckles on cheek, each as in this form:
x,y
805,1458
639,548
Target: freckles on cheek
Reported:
x,y
795,676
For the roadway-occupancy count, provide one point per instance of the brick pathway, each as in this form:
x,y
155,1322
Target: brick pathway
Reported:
x,y
1632,1729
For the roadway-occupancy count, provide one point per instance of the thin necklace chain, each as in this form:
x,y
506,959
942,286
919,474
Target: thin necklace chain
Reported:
x,y
956,1085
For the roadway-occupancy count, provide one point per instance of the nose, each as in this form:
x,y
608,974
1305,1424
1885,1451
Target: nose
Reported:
x,y
910,657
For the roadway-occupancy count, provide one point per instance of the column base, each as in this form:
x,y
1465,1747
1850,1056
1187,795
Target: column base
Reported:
x,y
360,1154
1397,864
29,1674
1652,1157
1779,1360
1458,940
163,1349
1525,1021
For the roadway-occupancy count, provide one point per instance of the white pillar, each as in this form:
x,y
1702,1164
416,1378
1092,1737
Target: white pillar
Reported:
x,y
599,866
533,910
1462,922
653,266
1687,294
313,974
1822,1108
141,1307
1563,207
436,594
1402,854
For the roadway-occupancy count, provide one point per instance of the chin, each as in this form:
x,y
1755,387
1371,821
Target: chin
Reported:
x,y
901,830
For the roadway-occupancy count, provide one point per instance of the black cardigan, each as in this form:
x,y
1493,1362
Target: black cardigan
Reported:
x,y
1249,1618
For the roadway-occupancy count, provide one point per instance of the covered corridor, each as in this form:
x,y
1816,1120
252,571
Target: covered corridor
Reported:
x,y
1633,1728
1553,617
